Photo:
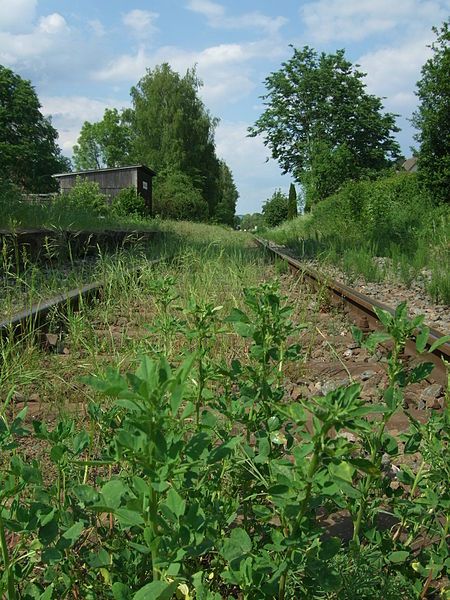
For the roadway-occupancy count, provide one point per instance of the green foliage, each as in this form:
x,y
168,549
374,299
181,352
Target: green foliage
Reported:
x,y
251,221
393,217
228,195
292,203
275,209
145,501
173,130
85,195
128,202
321,124
29,154
176,197
432,118
107,143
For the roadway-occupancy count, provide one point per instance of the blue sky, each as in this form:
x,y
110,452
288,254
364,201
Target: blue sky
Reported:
x,y
84,56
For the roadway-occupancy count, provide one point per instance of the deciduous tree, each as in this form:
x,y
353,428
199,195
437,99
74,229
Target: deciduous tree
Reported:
x,y
275,210
432,118
228,195
29,154
321,124
106,143
174,131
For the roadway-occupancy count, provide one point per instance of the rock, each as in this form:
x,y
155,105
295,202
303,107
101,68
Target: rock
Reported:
x,y
122,321
350,437
375,357
298,391
348,353
429,396
51,339
18,397
34,398
331,385
365,375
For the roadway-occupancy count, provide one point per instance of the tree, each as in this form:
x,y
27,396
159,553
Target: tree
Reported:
x,y
107,143
252,221
432,118
175,197
228,194
174,131
292,203
321,124
29,155
275,210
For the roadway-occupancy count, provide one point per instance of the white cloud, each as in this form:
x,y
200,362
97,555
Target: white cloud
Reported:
x,y
355,20
68,114
45,37
17,15
393,72
216,16
51,24
141,22
255,177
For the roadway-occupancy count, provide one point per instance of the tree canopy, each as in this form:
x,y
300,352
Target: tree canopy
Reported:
x,y
432,117
321,124
107,143
173,130
29,155
275,209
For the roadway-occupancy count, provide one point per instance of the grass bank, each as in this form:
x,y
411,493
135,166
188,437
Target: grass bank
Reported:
x,y
391,218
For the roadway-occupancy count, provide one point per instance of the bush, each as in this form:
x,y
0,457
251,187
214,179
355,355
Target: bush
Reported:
x,y
85,195
177,198
128,202
275,210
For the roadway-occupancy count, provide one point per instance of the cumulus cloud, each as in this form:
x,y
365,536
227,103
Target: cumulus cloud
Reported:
x,y
393,72
68,114
355,20
217,17
141,22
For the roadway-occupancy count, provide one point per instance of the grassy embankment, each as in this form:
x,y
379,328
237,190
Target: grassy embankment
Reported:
x,y
197,476
391,218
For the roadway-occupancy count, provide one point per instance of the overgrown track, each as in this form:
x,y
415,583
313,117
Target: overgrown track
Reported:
x,y
35,319
361,309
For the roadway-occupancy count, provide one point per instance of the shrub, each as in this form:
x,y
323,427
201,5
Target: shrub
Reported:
x,y
87,196
177,198
275,210
128,202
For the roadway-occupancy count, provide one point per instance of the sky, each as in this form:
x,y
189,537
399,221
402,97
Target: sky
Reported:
x,y
84,56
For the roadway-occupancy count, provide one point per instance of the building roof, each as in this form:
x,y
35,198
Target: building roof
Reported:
x,y
111,169
410,164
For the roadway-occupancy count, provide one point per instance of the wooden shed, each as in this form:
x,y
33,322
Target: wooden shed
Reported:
x,y
112,180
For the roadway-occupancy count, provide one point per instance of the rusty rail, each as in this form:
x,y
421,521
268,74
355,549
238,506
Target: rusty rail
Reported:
x,y
361,308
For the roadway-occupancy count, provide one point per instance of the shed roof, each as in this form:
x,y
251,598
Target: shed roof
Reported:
x,y
110,169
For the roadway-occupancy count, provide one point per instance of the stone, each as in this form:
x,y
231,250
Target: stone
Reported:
x,y
430,395
365,375
348,353
51,339
34,398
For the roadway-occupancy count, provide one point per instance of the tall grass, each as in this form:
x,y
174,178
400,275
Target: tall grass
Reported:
x,y
392,217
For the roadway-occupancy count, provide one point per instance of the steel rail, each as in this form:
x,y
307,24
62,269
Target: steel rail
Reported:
x,y
362,308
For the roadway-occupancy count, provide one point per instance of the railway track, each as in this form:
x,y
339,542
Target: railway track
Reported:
x,y
361,310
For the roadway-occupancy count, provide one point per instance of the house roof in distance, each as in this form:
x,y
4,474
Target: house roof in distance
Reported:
x,y
110,169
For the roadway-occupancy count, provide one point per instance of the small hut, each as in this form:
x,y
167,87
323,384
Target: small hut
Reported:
x,y
112,180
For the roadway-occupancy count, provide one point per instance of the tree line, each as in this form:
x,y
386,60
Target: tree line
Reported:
x,y
320,124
